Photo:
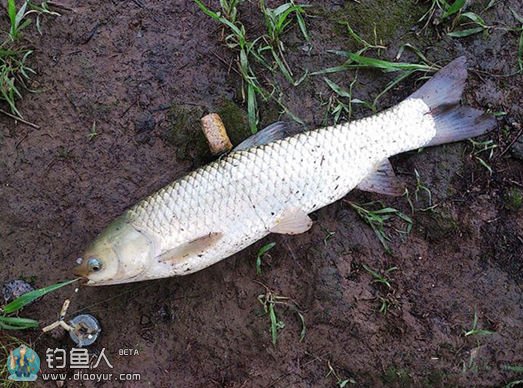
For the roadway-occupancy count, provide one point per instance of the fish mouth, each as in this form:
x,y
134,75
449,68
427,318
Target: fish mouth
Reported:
x,y
81,270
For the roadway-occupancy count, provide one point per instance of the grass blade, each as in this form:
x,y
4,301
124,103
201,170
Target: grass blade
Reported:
x,y
454,8
251,108
263,250
15,323
518,18
391,84
467,32
337,89
361,61
29,297
475,18
11,11
274,324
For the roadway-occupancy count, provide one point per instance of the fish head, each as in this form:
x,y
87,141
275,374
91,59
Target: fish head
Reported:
x,y
118,255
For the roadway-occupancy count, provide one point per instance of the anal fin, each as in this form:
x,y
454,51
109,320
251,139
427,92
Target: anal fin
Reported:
x,y
292,221
383,181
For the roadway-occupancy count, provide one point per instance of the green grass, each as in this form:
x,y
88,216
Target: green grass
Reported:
x,y
421,193
483,151
473,24
442,8
340,381
277,21
10,322
15,74
262,252
380,277
92,132
266,51
377,219
520,45
329,234
270,301
386,303
421,188
460,24
237,39
515,369
356,61
474,330
340,102
340,105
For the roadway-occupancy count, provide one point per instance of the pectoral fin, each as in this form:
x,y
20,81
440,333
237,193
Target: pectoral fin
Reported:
x,y
383,181
292,221
195,247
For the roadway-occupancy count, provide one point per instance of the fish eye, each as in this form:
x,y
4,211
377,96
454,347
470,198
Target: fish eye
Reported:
x,y
94,264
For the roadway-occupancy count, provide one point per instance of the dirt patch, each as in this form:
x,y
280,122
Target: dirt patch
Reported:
x,y
144,74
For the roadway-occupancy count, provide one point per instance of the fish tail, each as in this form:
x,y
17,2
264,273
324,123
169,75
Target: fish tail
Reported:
x,y
442,94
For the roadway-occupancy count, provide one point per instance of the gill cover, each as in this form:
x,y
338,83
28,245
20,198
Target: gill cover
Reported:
x,y
118,254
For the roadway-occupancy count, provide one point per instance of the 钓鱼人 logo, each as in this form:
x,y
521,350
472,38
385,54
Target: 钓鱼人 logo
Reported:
x,y
23,364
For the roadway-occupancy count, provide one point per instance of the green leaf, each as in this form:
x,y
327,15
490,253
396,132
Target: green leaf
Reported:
x,y
454,8
518,18
274,323
475,18
513,368
403,75
303,27
359,61
263,250
218,17
337,89
21,13
467,32
490,4
252,108
29,297
11,10
16,323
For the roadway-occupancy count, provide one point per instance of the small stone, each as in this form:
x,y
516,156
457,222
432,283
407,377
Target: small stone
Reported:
x,y
144,122
15,288
517,148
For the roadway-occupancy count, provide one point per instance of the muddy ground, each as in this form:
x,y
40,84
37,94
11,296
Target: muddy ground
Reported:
x,y
143,72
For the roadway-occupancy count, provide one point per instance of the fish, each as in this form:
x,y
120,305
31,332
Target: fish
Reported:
x,y
272,181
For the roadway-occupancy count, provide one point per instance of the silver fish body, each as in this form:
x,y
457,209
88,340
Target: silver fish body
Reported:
x,y
223,207
243,195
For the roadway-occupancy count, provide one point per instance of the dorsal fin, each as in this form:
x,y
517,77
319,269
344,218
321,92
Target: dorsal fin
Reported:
x,y
275,131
